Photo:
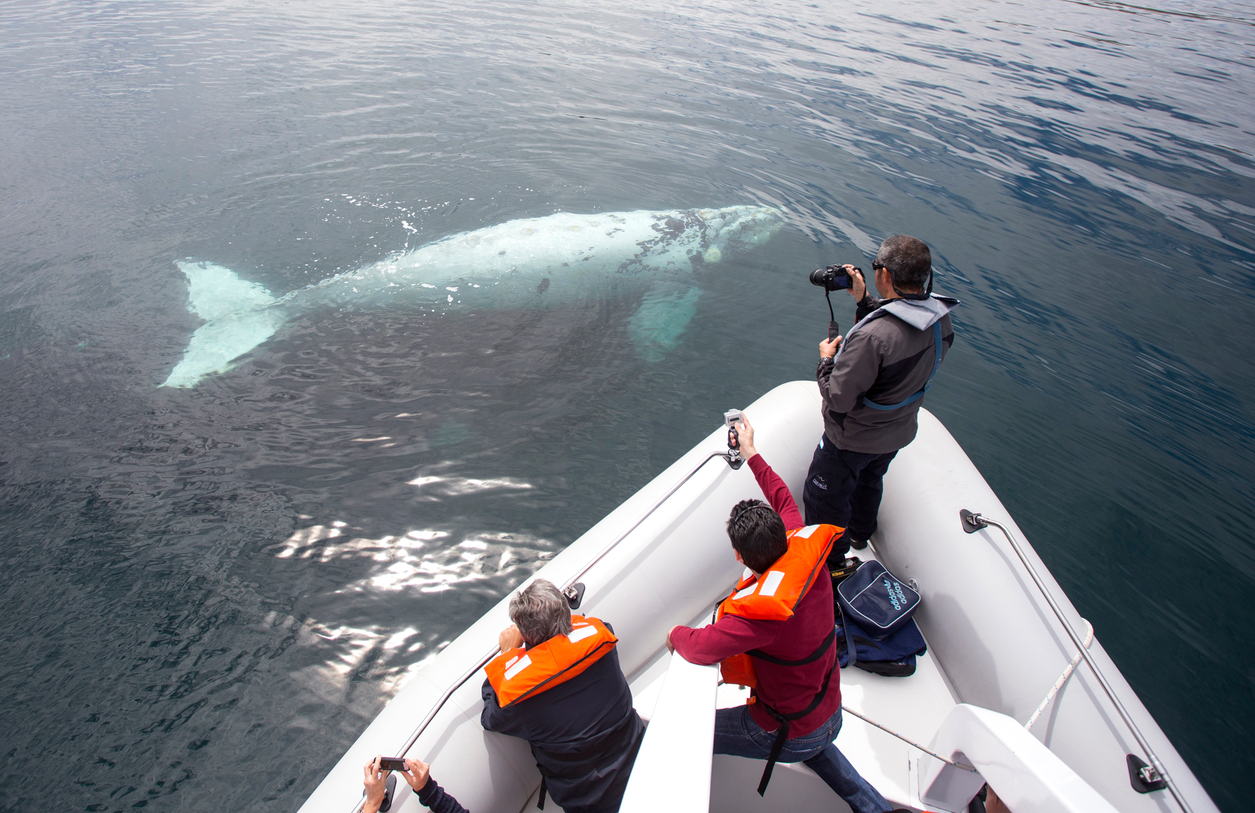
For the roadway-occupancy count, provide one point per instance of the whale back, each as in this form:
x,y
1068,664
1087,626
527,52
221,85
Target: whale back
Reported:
x,y
556,259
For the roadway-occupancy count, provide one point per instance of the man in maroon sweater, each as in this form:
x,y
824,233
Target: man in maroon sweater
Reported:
x,y
759,539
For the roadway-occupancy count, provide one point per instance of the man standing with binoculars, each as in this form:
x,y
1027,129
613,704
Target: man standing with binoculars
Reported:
x,y
873,383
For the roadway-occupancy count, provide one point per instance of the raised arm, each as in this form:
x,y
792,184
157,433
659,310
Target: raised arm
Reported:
x,y
774,489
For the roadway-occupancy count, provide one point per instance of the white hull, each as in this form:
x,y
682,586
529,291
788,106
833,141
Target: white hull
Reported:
x,y
994,643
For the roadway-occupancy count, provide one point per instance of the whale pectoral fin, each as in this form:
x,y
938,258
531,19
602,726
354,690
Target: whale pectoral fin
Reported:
x,y
660,321
238,317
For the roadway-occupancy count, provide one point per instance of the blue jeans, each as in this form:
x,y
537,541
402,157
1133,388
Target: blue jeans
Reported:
x,y
737,734
844,489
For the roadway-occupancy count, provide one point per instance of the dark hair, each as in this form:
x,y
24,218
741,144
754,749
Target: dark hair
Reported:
x,y
907,259
758,534
540,611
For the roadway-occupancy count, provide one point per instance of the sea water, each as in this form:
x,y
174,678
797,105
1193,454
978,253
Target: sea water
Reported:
x,y
208,593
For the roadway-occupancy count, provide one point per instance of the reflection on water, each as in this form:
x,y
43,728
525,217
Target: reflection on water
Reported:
x,y
439,568
198,580
437,486
420,560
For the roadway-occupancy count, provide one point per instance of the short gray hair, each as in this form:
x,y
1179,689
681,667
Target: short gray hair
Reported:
x,y
540,611
907,260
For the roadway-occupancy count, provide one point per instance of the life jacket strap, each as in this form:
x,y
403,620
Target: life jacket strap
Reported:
x,y
927,384
540,803
811,658
782,733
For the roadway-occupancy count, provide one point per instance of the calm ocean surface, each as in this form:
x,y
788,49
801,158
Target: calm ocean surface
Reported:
x,y
208,593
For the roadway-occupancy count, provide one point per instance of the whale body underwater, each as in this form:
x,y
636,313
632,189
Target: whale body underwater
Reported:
x,y
536,262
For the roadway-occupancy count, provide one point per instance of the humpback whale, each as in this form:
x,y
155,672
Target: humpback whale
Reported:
x,y
534,262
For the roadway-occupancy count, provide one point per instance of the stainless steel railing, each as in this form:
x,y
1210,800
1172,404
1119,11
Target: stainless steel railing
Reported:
x,y
973,522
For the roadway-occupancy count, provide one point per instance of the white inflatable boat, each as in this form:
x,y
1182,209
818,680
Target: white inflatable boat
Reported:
x,y
1014,690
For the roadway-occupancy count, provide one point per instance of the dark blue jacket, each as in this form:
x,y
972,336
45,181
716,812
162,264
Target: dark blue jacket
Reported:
x,y
584,735
437,799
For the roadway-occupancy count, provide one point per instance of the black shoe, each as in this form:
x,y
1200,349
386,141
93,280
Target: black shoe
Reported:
x,y
845,542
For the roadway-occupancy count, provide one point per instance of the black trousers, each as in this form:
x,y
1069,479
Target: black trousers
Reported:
x,y
844,489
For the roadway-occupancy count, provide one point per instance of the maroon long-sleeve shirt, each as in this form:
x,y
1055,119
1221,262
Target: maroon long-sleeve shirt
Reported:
x,y
787,689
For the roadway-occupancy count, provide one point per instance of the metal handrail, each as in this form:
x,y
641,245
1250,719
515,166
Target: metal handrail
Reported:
x,y
973,522
733,461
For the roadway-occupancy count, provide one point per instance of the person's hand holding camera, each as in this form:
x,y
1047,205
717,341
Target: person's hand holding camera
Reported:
x,y
858,286
745,433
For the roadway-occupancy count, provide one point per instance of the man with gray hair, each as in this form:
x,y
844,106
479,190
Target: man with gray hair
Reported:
x,y
872,382
557,684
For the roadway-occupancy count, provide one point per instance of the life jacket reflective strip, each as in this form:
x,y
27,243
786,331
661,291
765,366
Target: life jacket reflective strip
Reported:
x,y
522,673
775,596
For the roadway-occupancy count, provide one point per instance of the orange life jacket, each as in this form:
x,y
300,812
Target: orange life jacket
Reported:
x,y
522,673
774,596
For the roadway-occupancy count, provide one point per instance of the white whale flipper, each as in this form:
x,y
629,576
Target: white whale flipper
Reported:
x,y
661,320
238,317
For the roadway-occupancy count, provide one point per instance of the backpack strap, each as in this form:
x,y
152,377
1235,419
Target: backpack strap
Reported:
x,y
849,646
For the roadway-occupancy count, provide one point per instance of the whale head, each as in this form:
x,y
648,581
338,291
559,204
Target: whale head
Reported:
x,y
737,229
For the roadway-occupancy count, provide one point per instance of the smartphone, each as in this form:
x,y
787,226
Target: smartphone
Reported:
x,y
392,763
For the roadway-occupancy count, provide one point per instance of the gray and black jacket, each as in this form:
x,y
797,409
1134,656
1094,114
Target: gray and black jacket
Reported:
x,y
888,357
584,734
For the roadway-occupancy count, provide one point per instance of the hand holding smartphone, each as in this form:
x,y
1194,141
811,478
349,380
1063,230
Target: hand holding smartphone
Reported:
x,y
417,777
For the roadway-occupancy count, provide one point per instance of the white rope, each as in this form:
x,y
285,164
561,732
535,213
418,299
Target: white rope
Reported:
x,y
1063,678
